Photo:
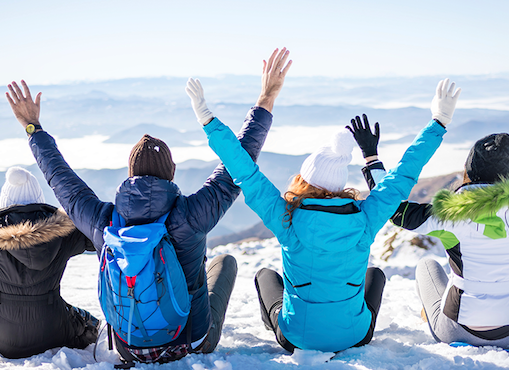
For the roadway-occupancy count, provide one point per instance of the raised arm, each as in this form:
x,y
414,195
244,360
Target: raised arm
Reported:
x,y
219,191
88,213
395,187
368,143
273,77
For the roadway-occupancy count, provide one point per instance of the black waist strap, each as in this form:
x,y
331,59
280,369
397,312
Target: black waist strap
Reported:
x,y
50,297
345,209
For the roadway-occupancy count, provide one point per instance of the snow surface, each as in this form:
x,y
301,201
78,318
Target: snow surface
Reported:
x,y
401,340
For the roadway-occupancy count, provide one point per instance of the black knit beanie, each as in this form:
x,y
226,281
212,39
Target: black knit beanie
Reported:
x,y
488,160
151,156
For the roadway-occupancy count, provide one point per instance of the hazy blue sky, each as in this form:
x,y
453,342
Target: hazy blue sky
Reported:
x,y
49,41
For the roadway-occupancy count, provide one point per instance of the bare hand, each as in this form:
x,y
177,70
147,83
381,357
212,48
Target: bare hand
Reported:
x,y
273,77
24,108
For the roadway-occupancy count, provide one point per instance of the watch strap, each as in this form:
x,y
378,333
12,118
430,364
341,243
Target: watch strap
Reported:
x,y
32,127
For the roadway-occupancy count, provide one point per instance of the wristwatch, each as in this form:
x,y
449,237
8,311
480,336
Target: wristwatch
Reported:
x,y
31,128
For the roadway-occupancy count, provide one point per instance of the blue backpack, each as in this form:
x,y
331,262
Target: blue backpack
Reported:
x,y
142,289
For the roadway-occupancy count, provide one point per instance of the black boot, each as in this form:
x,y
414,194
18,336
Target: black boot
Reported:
x,y
87,327
221,275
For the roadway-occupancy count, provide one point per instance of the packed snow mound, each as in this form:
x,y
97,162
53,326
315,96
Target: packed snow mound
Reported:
x,y
401,340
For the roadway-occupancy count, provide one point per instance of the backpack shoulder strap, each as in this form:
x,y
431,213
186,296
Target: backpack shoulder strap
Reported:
x,y
116,219
162,219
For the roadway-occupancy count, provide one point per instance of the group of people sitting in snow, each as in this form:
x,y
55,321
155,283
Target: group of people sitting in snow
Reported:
x,y
327,298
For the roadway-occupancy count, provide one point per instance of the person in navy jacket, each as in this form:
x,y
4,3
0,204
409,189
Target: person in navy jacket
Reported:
x,y
147,194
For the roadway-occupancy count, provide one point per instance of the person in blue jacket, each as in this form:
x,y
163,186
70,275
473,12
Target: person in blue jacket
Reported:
x,y
149,193
325,300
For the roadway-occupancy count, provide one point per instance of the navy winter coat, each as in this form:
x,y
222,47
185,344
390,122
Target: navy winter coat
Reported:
x,y
146,198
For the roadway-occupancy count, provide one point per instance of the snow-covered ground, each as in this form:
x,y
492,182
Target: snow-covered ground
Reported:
x,y
401,340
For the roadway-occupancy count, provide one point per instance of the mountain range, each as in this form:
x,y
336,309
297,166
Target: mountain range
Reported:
x,y
122,111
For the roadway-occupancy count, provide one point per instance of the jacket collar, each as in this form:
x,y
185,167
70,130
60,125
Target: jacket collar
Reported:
x,y
143,199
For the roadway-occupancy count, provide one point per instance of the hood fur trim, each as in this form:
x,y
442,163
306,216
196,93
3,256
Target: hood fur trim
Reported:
x,y
471,204
28,234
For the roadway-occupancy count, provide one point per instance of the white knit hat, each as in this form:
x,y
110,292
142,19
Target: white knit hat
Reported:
x,y
21,187
327,167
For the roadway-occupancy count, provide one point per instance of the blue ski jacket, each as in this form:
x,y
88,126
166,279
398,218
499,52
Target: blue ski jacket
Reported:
x,y
325,255
143,199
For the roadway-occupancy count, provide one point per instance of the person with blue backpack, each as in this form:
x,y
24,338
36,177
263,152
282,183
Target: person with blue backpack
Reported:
x,y
155,292
327,298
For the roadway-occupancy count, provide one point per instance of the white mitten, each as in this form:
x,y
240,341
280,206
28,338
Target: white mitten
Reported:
x,y
195,92
444,102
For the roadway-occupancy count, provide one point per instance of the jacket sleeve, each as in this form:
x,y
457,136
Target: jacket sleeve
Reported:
x,y
211,202
89,214
260,194
373,173
79,243
409,215
395,187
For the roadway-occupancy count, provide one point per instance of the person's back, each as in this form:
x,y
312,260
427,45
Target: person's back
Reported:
x,y
36,241
472,222
147,194
328,300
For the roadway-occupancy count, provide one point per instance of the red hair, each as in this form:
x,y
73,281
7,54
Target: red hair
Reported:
x,y
299,190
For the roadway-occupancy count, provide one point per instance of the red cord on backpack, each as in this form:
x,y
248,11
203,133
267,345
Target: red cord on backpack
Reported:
x,y
131,280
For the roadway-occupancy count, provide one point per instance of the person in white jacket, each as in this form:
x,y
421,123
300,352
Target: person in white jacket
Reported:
x,y
472,222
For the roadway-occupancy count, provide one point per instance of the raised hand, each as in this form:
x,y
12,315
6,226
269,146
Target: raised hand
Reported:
x,y
24,108
367,141
444,102
273,78
195,92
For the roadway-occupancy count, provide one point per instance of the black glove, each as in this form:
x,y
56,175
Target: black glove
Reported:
x,y
367,141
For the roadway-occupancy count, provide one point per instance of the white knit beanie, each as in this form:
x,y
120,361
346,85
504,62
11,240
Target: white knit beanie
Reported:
x,y
327,167
21,187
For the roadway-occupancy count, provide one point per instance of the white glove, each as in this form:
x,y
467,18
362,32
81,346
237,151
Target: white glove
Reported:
x,y
195,92
444,102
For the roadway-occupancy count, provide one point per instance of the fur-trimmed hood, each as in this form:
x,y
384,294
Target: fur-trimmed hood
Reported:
x,y
33,234
29,234
471,201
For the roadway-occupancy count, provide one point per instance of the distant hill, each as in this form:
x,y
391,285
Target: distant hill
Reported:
x,y
240,222
401,105
190,177
172,137
426,188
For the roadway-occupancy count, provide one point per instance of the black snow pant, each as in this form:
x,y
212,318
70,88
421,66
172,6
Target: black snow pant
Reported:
x,y
269,285
30,325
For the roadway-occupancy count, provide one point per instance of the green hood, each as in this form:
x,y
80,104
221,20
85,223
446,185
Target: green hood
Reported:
x,y
471,204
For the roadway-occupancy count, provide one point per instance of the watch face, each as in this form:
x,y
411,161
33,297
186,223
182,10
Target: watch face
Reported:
x,y
30,129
